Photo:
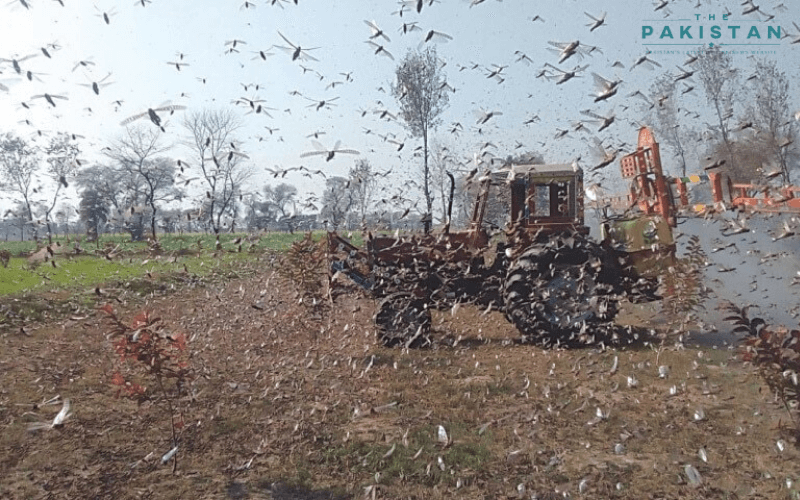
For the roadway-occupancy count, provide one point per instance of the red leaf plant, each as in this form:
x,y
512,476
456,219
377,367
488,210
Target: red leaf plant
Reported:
x,y
145,349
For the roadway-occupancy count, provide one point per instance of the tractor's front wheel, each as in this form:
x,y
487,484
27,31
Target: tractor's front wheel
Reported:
x,y
553,295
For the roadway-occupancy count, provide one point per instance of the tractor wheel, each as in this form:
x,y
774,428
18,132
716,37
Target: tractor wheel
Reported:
x,y
403,319
554,296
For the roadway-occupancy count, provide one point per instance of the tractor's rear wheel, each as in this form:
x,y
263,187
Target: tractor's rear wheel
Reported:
x,y
403,320
554,295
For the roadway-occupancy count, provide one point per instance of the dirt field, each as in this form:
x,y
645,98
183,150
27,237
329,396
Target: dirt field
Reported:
x,y
282,407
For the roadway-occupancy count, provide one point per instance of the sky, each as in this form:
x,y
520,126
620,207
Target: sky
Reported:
x,y
132,52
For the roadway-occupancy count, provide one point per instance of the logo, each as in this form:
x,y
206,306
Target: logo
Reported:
x,y
721,29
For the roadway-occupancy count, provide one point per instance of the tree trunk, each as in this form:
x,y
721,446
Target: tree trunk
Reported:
x,y
680,152
784,167
428,201
725,135
153,221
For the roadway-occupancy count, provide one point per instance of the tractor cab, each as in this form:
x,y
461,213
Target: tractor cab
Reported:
x,y
546,196
531,201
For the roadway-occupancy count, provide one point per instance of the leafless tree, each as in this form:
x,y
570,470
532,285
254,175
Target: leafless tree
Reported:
x,y
136,154
19,218
362,188
771,116
233,174
62,155
719,77
442,162
422,93
212,138
19,163
337,201
669,128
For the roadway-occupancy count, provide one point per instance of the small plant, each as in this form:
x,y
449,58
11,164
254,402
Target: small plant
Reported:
x,y
146,351
154,247
775,352
304,266
685,292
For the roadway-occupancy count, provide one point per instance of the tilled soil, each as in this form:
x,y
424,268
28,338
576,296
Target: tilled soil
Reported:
x,y
283,406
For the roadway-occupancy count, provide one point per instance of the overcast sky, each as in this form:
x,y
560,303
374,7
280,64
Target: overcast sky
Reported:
x,y
138,42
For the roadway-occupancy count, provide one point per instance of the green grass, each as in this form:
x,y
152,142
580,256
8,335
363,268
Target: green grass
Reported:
x,y
465,455
193,250
168,242
38,291
79,272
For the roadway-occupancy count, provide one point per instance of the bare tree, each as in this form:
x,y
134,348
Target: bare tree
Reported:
x,y
362,188
19,163
422,93
337,201
670,130
441,163
770,113
63,216
233,174
464,200
136,154
62,155
719,77
19,218
212,137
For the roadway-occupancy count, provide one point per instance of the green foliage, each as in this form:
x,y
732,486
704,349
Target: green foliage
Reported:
x,y
93,210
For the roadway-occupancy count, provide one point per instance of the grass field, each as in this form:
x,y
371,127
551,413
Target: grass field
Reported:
x,y
168,242
41,291
188,253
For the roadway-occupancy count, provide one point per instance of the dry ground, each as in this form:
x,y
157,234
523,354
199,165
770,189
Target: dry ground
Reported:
x,y
324,411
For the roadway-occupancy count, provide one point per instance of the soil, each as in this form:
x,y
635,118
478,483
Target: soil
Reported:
x,y
282,406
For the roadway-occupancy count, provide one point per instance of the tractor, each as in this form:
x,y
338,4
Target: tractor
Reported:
x,y
526,253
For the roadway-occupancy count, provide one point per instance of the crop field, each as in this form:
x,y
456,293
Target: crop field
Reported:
x,y
279,398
